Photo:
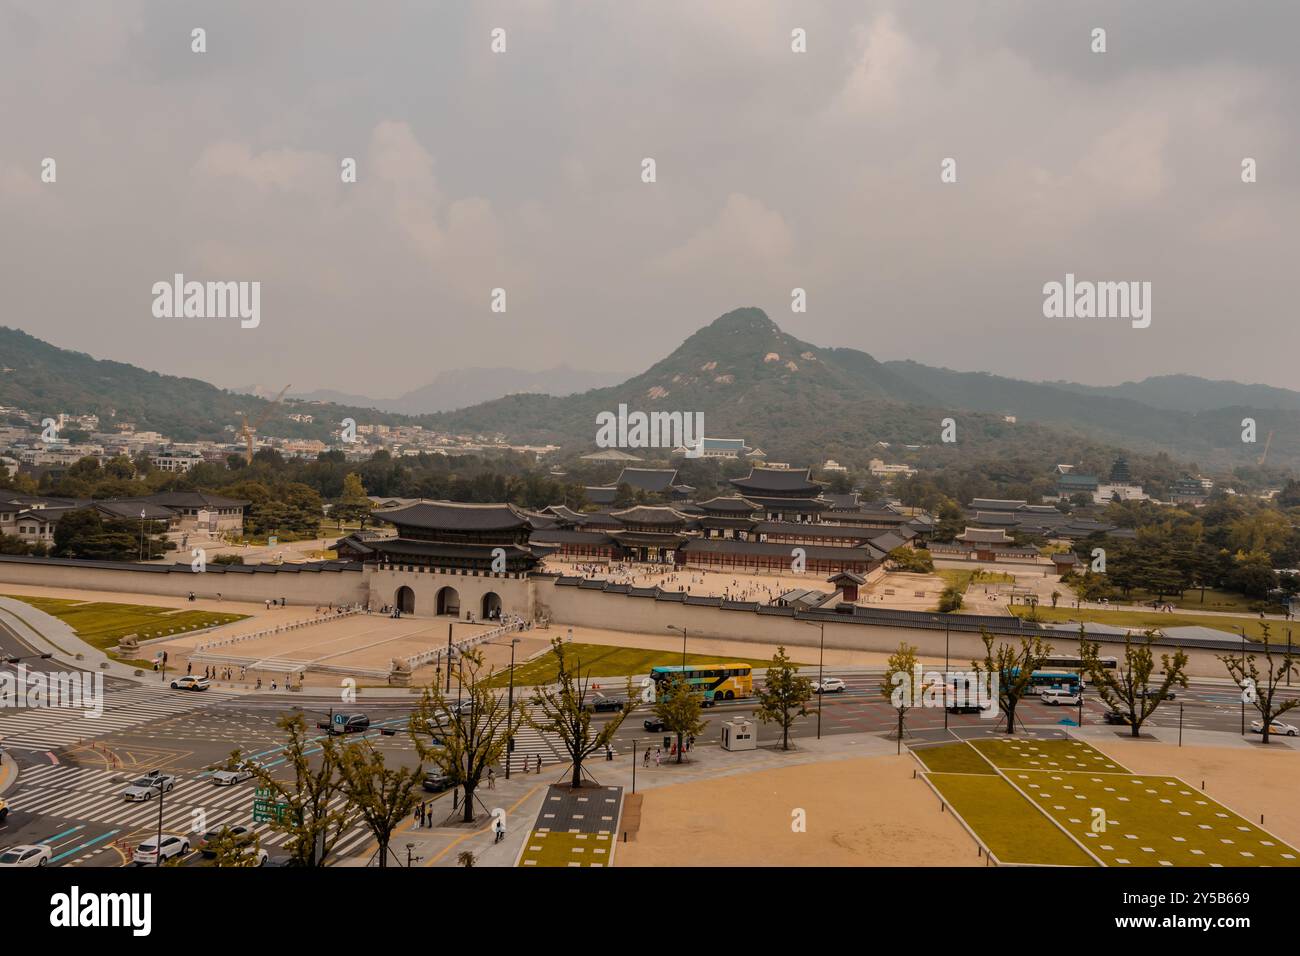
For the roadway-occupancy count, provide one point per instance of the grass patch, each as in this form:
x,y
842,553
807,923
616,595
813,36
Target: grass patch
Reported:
x,y
958,757
1030,754
552,848
960,578
1006,823
601,660
1148,619
1151,821
102,624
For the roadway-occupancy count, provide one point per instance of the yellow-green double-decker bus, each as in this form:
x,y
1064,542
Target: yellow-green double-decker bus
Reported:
x,y
713,682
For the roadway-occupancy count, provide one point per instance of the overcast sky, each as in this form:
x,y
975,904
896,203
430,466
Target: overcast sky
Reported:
x,y
522,170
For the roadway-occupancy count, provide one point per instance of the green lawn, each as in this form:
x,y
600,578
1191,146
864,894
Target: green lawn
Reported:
x,y
957,757
1123,818
1145,619
600,660
1005,821
552,848
1026,753
1150,821
102,624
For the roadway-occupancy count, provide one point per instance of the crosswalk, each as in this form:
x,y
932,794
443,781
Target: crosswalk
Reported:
x,y
49,728
65,792
531,743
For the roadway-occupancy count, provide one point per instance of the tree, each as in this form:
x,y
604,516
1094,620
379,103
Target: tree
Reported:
x,y
1056,596
784,695
899,671
465,735
1127,688
353,505
565,714
950,600
1014,670
311,820
679,709
383,797
1262,694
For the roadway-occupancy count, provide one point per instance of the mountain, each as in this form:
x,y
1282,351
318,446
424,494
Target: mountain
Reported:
x,y
46,380
1188,393
802,402
462,387
799,402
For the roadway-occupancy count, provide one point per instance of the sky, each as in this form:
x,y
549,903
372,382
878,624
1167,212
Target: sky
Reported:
x,y
522,170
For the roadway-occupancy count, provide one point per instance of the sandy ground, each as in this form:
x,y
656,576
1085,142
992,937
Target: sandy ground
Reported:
x,y
1248,778
860,812
902,591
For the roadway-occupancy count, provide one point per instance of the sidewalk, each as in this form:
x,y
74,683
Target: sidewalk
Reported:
x,y
521,799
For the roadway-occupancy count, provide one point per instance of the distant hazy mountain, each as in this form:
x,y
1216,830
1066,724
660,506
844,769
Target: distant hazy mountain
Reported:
x,y
800,401
462,387
1187,393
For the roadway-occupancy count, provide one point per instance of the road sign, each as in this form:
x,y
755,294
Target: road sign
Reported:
x,y
266,809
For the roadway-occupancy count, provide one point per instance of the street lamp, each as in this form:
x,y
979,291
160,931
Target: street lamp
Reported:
x,y
674,627
821,656
510,702
1242,630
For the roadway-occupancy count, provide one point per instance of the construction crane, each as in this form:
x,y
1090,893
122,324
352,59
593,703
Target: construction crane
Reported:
x,y
251,430
1267,441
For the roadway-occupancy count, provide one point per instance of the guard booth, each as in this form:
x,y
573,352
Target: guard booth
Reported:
x,y
739,734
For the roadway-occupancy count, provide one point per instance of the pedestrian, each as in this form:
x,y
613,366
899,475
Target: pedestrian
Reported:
x,y
658,756
189,667
500,828
539,763
492,779
645,759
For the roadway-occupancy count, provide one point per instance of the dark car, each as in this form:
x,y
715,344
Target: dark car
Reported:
x,y
1155,692
605,704
654,724
346,724
1115,717
240,834
436,782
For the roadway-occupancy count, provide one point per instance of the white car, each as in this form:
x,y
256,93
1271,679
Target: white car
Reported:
x,y
1276,727
228,778
191,682
149,786
1061,696
26,856
831,685
146,854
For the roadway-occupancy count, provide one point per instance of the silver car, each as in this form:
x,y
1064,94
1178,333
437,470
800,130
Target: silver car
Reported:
x,y
228,778
148,787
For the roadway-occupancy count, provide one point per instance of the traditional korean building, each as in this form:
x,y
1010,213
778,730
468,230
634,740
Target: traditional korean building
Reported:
x,y
783,494
454,559
652,534
730,516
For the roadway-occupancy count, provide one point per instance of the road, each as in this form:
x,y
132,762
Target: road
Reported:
x,y
74,767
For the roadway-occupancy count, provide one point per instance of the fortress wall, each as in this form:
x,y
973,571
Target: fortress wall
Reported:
x,y
343,586
581,607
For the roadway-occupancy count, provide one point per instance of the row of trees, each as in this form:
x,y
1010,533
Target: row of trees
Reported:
x,y
1126,689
